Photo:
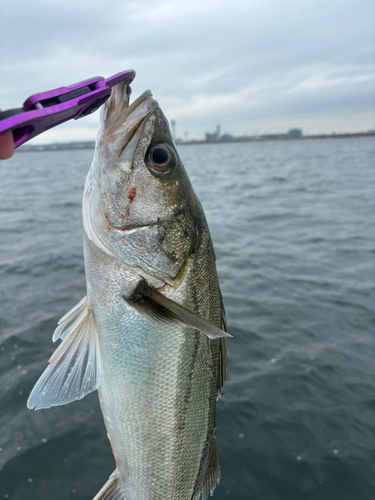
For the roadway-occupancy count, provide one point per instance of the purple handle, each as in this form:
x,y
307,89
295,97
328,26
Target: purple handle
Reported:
x,y
47,109
50,94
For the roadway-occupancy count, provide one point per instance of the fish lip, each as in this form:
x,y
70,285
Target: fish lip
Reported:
x,y
137,129
123,129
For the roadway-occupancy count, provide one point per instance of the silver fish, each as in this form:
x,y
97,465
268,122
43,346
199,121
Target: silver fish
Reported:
x,y
151,333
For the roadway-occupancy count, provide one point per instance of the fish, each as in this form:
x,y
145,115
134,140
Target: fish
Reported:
x,y
151,333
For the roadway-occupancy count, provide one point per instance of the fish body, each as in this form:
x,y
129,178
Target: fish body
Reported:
x,y
158,387
151,333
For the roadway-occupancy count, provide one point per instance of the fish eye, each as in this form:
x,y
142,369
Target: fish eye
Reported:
x,y
161,158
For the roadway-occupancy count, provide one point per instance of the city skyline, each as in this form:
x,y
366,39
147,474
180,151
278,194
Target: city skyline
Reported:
x,y
255,67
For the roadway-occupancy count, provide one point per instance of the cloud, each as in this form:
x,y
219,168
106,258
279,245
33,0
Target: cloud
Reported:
x,y
246,64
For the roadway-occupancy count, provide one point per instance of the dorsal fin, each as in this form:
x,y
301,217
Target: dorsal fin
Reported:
x,y
69,320
73,368
223,362
111,490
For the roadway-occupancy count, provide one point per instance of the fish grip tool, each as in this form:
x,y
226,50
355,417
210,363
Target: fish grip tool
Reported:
x,y
48,109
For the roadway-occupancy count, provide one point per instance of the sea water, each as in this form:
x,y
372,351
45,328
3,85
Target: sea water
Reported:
x,y
293,228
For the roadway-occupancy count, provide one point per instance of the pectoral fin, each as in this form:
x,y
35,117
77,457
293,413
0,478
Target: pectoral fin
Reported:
x,y
73,368
151,303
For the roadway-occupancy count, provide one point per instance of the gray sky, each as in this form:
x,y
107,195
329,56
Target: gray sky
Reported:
x,y
253,66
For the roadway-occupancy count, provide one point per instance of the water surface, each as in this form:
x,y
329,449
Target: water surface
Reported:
x,y
293,229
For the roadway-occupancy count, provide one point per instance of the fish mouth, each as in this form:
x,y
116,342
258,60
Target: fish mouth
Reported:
x,y
122,123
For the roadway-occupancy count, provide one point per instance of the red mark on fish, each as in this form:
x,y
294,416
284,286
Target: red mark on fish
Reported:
x,y
131,196
132,193
107,219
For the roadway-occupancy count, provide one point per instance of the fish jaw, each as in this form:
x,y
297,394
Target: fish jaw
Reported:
x,y
117,140
119,123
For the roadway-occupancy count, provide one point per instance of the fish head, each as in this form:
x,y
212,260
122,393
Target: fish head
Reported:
x,y
139,205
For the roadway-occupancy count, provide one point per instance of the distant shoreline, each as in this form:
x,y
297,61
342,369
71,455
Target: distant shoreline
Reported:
x,y
79,146
279,139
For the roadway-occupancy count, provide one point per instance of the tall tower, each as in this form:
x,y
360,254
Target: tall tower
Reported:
x,y
173,125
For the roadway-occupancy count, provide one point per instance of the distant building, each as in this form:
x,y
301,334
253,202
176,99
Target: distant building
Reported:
x,y
226,137
294,132
173,126
215,136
